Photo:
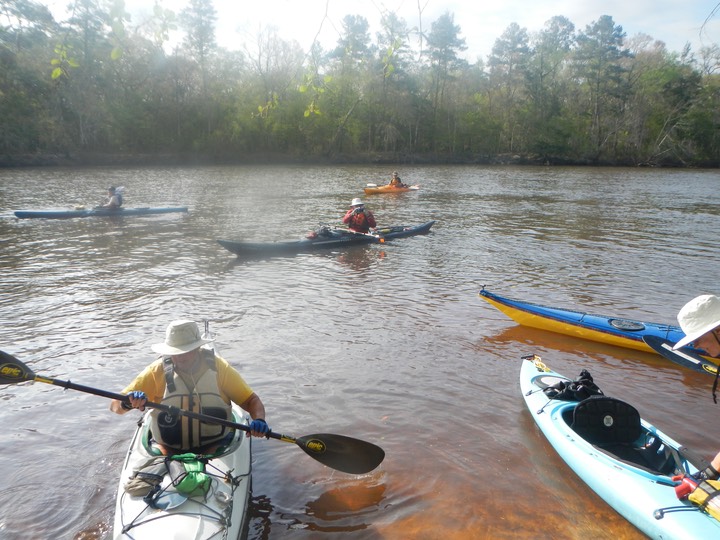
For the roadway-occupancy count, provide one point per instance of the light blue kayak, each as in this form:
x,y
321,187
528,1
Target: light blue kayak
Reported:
x,y
97,212
629,463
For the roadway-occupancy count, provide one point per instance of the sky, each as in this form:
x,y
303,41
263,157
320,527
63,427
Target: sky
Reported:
x,y
239,22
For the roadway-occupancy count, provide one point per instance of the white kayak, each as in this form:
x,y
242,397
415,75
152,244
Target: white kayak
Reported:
x,y
627,461
166,514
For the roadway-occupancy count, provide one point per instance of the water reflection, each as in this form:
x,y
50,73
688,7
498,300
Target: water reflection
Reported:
x,y
360,260
260,510
356,258
352,499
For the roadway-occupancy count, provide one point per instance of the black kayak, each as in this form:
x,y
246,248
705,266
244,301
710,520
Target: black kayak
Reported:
x,y
97,212
325,238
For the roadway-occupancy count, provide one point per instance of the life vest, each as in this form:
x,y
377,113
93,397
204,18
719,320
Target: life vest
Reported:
x,y
707,496
183,433
359,222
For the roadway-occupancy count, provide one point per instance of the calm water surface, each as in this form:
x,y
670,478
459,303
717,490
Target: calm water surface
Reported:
x,y
386,343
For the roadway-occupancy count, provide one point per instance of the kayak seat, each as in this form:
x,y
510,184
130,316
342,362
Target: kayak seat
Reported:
x,y
614,427
602,420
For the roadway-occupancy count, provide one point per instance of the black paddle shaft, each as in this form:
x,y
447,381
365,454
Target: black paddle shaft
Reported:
x,y
13,371
339,452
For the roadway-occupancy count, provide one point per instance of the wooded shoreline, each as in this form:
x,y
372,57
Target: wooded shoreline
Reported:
x,y
168,160
93,90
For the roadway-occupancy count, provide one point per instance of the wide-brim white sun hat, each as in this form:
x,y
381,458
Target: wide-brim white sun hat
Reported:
x,y
357,202
181,336
698,317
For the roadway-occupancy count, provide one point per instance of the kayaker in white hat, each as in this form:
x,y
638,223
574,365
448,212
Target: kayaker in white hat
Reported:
x,y
358,218
700,320
191,377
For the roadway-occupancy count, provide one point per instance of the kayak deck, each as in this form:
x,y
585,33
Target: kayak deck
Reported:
x,y
325,238
629,467
220,513
375,190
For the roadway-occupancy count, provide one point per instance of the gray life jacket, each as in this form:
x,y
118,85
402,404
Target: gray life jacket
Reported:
x,y
183,433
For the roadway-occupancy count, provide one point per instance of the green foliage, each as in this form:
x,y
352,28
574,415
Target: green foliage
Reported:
x,y
560,95
63,61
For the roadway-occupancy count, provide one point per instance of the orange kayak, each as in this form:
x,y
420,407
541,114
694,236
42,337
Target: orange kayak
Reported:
x,y
372,189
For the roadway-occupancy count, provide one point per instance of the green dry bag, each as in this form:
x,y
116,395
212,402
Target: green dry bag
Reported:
x,y
188,475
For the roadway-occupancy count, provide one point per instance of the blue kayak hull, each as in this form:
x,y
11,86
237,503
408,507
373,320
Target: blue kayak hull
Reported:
x,y
338,238
644,496
97,212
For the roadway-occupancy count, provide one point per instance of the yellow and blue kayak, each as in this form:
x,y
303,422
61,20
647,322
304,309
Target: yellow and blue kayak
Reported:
x,y
601,328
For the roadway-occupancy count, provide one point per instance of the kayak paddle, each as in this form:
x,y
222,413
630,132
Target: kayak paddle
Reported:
x,y
338,452
682,357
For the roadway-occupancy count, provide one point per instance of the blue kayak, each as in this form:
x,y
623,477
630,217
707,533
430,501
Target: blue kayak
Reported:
x,y
601,328
97,212
626,460
324,238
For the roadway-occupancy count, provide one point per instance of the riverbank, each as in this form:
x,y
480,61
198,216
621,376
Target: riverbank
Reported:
x,y
99,159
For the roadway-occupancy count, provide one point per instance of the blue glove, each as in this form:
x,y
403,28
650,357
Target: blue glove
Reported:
x,y
135,394
259,426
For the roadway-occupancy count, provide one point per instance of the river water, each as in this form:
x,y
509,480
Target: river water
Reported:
x,y
386,343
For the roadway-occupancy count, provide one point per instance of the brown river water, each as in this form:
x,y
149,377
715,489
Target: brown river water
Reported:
x,y
386,343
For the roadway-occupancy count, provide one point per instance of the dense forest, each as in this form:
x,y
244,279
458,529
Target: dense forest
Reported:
x,y
99,88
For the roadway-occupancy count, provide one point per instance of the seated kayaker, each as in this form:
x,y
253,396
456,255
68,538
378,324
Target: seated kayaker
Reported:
x,y
358,219
191,377
114,198
395,181
700,320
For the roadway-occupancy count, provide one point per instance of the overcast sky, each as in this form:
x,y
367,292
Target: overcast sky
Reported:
x,y
675,22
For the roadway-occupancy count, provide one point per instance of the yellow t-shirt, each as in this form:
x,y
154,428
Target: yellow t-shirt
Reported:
x,y
230,383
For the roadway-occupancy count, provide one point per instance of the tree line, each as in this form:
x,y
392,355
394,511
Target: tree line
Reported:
x,y
96,88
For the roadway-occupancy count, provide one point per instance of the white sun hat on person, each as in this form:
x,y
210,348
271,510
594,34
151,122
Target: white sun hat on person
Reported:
x,y
698,317
181,336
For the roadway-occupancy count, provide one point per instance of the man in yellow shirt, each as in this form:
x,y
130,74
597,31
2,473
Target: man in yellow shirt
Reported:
x,y
191,377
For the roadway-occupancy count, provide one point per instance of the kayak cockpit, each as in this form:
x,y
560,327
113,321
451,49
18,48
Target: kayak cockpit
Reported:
x,y
615,428
229,444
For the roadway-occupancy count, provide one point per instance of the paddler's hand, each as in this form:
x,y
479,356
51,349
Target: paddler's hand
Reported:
x,y
136,400
259,428
708,474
